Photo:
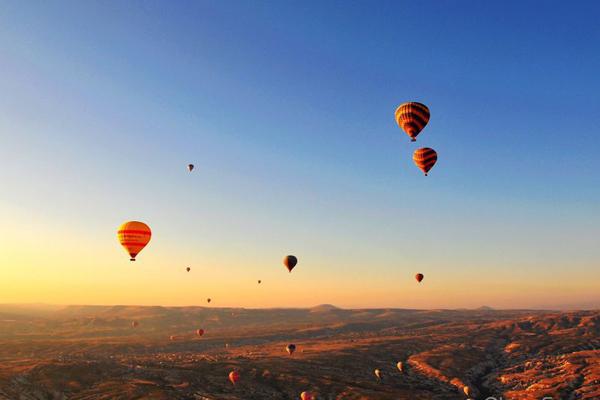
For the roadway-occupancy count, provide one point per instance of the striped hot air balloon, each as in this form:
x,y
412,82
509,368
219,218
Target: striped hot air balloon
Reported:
x,y
425,158
134,236
412,117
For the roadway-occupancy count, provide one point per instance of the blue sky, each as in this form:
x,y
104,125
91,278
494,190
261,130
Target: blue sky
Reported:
x,y
286,108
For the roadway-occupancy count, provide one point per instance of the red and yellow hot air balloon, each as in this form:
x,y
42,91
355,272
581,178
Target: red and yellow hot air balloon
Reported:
x,y
234,377
134,324
425,158
290,262
412,117
134,236
199,332
306,396
419,277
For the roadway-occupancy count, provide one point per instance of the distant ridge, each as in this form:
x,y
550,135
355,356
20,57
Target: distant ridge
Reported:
x,y
485,308
324,308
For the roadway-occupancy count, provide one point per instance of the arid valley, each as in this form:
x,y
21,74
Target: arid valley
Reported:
x,y
94,352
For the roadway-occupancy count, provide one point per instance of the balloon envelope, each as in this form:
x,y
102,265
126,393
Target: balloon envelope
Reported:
x,y
234,376
400,366
188,269
291,348
134,324
419,277
412,117
378,374
134,236
190,167
199,332
290,262
306,396
208,300
425,158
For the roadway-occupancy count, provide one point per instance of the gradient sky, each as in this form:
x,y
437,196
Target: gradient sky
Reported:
x,y
287,110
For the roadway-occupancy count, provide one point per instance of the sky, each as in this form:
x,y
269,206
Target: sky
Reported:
x,y
287,110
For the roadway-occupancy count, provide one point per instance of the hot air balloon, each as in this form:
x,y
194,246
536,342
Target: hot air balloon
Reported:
x,y
419,277
290,262
190,167
259,281
400,366
425,158
306,396
134,236
208,300
234,376
199,332
172,337
134,324
290,348
412,117
467,391
188,269
378,374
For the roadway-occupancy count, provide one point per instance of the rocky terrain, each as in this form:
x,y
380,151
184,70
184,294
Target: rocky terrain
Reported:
x,y
94,352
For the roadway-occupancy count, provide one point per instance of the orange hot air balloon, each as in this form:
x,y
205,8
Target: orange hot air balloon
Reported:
x,y
259,281
425,158
134,236
400,366
290,262
378,374
234,376
467,391
190,167
172,337
419,277
188,269
208,300
412,117
306,396
199,332
134,324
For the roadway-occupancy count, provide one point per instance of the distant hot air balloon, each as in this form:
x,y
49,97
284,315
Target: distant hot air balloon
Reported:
x,y
190,167
290,262
226,345
199,332
377,373
208,300
412,117
134,324
400,366
419,277
425,158
259,281
188,269
172,337
290,348
306,396
134,236
234,376
467,391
